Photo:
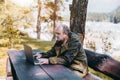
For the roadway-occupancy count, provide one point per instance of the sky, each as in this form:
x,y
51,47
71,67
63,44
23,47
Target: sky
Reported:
x,y
100,6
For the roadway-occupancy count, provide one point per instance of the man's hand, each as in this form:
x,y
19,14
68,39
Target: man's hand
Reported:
x,y
37,55
43,61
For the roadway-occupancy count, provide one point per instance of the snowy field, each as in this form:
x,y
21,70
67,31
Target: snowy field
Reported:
x,y
102,37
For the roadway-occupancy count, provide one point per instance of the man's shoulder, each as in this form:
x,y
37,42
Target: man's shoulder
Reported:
x,y
73,37
74,44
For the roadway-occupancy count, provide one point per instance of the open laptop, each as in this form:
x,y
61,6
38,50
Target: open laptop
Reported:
x,y
29,55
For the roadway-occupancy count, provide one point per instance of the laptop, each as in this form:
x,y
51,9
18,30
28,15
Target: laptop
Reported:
x,y
29,55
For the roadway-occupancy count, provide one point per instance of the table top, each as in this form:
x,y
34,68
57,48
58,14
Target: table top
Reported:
x,y
24,70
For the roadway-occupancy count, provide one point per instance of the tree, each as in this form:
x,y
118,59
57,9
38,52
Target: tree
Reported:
x,y
12,17
55,17
78,17
53,8
39,20
11,33
23,16
2,1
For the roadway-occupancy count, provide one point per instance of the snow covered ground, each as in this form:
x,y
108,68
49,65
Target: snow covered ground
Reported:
x,y
102,37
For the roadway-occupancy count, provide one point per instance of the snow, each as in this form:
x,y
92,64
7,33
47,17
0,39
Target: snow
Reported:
x,y
46,34
104,36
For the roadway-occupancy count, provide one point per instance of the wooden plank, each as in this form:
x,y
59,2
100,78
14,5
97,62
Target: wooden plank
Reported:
x,y
59,72
25,70
8,68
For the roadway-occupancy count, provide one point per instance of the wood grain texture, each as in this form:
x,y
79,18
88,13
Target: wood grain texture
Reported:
x,y
59,72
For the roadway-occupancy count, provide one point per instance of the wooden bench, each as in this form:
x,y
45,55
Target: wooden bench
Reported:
x,y
23,70
8,70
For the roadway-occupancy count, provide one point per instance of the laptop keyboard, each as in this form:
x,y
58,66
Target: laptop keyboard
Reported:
x,y
36,60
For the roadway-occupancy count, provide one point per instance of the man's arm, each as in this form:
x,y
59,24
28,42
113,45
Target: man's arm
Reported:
x,y
48,54
51,52
67,56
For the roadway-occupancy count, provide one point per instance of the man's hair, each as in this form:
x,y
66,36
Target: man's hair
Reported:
x,y
66,29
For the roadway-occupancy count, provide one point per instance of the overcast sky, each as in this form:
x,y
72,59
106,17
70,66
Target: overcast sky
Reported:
x,y
102,5
93,5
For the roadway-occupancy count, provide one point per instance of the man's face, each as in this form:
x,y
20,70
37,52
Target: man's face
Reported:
x,y
60,36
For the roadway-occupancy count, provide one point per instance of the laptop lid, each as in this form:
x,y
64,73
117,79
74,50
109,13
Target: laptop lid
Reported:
x,y
28,53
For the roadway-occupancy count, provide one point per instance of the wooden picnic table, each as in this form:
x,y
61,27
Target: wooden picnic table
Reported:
x,y
23,70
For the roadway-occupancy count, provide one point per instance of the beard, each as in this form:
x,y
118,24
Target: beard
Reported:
x,y
59,42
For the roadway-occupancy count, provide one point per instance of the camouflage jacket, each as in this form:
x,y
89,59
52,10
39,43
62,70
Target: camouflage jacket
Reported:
x,y
71,55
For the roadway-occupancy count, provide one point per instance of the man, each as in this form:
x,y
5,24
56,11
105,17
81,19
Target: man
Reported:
x,y
67,51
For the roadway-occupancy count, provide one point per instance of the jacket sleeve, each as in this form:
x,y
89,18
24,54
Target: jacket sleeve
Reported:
x,y
50,53
67,57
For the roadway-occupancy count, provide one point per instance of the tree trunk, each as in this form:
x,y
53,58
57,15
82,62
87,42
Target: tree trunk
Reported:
x,y
55,17
78,17
104,64
11,45
39,20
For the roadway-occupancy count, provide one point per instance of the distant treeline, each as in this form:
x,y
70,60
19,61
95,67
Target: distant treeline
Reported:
x,y
110,17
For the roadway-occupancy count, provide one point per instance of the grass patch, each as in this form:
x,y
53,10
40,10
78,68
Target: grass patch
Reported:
x,y
104,77
3,58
